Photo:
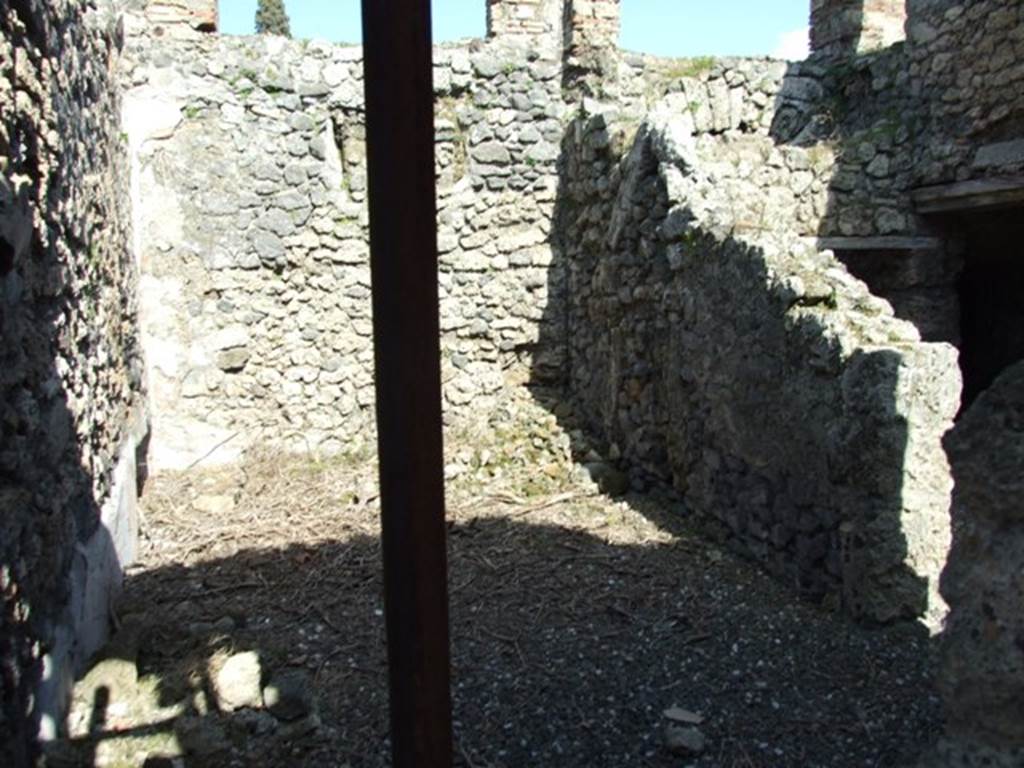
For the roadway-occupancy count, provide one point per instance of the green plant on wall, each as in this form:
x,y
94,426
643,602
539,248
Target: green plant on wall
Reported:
x,y
691,67
272,19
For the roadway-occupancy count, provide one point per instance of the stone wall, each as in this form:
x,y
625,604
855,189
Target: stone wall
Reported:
x,y
70,373
966,67
250,188
713,345
249,168
864,111
943,107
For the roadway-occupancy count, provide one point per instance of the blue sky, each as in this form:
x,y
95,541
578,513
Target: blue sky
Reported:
x,y
665,27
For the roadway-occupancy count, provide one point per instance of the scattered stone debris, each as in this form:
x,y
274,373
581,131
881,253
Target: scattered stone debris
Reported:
x,y
289,696
684,740
685,716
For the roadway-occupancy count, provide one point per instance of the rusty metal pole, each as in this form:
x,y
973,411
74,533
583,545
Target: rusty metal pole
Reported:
x,y
397,59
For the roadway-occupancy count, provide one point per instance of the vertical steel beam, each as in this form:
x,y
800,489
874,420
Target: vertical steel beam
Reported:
x,y
403,259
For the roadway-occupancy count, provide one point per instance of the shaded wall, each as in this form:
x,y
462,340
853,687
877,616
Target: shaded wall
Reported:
x,y
70,373
712,344
982,672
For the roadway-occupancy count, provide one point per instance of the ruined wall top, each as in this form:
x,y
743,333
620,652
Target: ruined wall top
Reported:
x,y
844,27
838,27
592,23
536,18
573,25
591,44
182,15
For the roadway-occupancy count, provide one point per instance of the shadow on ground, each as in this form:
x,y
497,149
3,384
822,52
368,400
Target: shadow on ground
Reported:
x,y
574,625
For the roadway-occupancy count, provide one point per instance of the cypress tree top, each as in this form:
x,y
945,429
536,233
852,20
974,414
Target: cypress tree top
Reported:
x,y
272,19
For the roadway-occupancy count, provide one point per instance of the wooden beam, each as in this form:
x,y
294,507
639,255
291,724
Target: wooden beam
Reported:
x,y
978,194
403,259
881,243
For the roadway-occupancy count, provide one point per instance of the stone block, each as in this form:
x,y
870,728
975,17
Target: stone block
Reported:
x,y
982,669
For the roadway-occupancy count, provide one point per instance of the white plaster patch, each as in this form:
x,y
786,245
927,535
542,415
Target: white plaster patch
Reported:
x,y
147,114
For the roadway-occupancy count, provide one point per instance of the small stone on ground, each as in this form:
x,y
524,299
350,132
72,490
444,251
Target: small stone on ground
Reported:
x,y
237,683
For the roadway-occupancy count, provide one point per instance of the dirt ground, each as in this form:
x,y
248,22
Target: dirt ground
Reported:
x,y
577,619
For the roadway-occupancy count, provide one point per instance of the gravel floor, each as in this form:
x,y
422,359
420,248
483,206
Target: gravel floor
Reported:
x,y
577,621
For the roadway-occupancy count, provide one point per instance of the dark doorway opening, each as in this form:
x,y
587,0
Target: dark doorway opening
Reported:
x,y
991,289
